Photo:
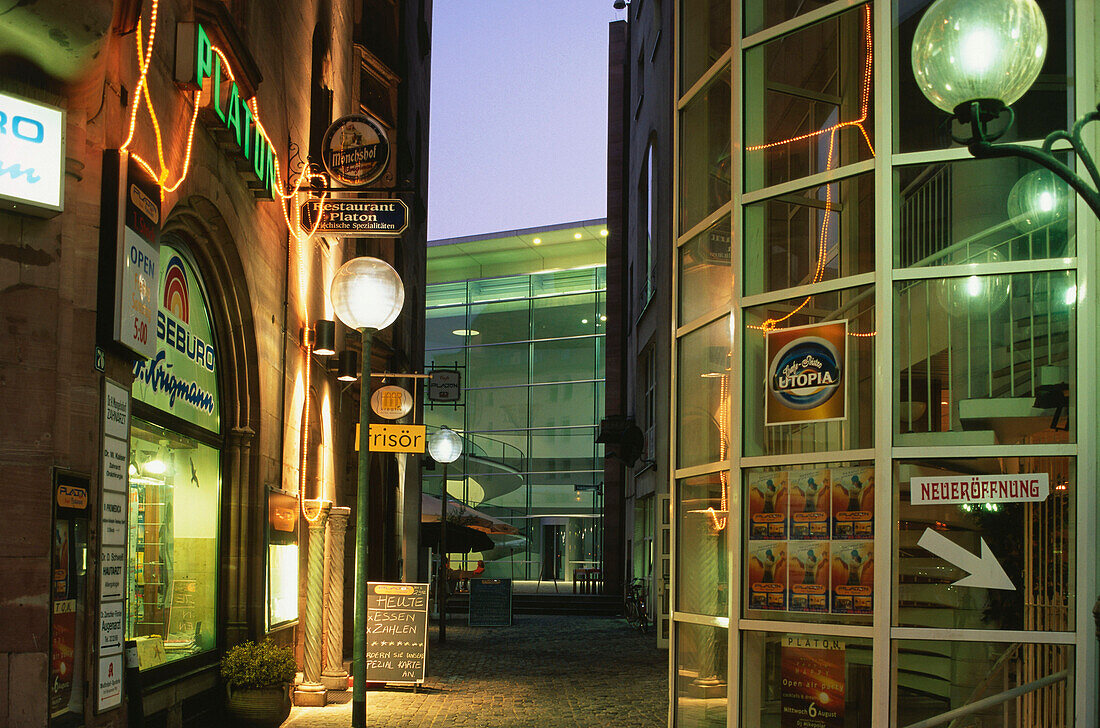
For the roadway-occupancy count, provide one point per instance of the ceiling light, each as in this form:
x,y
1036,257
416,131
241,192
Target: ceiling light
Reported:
x,y
603,318
584,321
536,241
466,332
603,232
576,236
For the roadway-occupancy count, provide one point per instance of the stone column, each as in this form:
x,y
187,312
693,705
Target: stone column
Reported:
x,y
334,676
311,692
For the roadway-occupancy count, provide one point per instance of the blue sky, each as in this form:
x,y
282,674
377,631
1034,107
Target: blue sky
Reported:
x,y
518,132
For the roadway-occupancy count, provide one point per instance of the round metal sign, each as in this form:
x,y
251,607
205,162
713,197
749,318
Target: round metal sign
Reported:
x,y
391,402
355,150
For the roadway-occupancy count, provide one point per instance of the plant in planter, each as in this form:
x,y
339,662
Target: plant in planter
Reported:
x,y
257,680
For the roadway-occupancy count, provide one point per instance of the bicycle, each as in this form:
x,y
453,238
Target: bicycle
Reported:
x,y
637,613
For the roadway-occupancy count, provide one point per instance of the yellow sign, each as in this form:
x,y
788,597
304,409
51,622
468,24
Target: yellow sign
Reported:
x,y
397,438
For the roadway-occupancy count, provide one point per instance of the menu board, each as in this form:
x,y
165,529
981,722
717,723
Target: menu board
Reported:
x,y
811,546
397,632
490,602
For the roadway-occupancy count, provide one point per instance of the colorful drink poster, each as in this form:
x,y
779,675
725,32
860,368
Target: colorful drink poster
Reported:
x,y
853,577
768,576
808,570
813,670
853,502
806,373
809,503
768,505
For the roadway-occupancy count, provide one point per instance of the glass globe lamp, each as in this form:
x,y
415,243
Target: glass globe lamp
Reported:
x,y
1037,200
445,445
968,50
974,295
367,293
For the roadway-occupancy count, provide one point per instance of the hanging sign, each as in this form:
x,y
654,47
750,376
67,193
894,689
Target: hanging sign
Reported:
x,y
977,489
806,374
182,377
32,155
397,438
359,218
445,385
391,402
355,150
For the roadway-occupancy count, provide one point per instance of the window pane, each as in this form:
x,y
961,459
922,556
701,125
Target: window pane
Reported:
x,y
806,681
701,675
496,409
856,427
564,360
705,33
566,316
762,14
813,235
808,100
440,325
568,449
933,677
497,366
986,360
705,153
175,494
981,211
557,405
705,283
501,321
1031,543
1045,107
703,586
703,407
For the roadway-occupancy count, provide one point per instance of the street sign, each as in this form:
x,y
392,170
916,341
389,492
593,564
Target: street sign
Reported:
x,y
358,218
445,385
977,489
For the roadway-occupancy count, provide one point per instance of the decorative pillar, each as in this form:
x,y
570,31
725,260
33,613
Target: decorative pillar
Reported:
x,y
311,692
334,676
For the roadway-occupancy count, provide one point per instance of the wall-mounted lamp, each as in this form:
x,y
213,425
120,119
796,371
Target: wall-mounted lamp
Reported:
x,y
620,4
324,337
347,369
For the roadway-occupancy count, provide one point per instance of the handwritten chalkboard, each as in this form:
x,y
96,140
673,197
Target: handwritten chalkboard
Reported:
x,y
397,632
490,602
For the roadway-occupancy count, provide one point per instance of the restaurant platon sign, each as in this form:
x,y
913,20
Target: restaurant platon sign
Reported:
x,y
975,489
806,373
355,150
361,218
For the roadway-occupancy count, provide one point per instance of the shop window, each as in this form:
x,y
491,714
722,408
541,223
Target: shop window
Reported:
x,y
807,680
1015,514
986,359
704,395
788,410
705,36
808,100
702,536
705,283
763,14
705,164
701,675
810,236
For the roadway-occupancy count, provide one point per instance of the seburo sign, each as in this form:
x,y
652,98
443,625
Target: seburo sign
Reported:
x,y
32,151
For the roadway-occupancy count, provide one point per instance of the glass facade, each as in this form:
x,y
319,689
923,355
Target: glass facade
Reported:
x,y
530,349
880,516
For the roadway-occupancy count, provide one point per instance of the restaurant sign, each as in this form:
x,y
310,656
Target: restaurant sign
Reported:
x,y
355,150
359,218
182,378
32,154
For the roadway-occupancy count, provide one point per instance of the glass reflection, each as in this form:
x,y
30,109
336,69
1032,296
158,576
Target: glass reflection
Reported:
x,y
701,675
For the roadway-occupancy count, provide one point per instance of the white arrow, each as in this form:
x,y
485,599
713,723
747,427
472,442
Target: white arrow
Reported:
x,y
985,571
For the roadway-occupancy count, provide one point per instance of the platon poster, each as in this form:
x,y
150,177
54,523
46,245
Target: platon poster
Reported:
x,y
806,374
808,573
810,503
853,502
813,682
768,505
768,575
853,577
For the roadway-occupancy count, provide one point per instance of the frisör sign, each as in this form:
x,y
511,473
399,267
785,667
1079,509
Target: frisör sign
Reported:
x,y
1015,488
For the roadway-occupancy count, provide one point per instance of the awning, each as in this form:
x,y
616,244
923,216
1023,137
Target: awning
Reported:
x,y
460,514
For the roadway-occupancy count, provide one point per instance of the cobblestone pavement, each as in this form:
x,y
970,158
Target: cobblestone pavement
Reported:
x,y
550,672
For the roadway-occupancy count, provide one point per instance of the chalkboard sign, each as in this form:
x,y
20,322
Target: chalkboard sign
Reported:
x,y
397,632
490,602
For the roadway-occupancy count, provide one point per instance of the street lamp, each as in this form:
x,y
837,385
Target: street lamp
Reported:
x,y
367,295
444,446
973,58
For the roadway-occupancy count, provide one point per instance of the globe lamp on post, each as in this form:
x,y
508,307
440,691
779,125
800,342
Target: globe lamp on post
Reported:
x,y
445,446
367,296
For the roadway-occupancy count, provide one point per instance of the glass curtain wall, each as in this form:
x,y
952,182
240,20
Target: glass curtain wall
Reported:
x,y
530,348
890,312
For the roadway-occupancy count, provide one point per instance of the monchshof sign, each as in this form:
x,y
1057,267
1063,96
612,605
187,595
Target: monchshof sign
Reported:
x,y
233,112
355,150
356,217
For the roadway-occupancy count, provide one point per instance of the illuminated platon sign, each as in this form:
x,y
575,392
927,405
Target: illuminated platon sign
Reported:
x,y
32,151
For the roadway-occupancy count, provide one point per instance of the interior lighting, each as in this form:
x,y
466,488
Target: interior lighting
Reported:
x,y
466,332
537,241
603,233
576,236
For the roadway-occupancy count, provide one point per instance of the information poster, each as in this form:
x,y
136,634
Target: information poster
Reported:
x,y
810,540
813,670
397,632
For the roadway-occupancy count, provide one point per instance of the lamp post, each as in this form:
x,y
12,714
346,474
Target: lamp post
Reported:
x,y
973,58
367,295
444,446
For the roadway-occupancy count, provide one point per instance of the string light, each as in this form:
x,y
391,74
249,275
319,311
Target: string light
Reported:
x,y
865,102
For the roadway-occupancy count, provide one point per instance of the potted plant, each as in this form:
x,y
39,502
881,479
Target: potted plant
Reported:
x,y
257,681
